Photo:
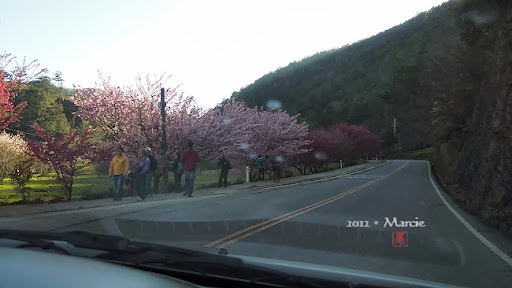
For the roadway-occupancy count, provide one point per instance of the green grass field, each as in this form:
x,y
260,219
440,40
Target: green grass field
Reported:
x,y
429,154
90,185
210,178
45,189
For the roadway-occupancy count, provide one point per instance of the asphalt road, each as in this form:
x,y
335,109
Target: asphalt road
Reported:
x,y
346,221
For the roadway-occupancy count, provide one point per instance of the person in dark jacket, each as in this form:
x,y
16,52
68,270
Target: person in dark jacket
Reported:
x,y
224,166
153,169
177,170
261,168
276,167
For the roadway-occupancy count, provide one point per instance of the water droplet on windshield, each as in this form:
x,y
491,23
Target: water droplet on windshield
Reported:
x,y
227,121
321,155
274,104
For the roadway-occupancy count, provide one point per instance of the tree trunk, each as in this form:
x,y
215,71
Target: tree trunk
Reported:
x,y
156,183
302,170
68,187
70,190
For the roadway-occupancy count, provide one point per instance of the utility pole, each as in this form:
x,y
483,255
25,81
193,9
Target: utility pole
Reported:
x,y
58,78
164,139
396,136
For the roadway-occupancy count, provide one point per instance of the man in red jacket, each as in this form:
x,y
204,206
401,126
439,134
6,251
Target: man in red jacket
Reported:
x,y
189,158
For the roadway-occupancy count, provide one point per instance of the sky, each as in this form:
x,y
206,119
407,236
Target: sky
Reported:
x,y
210,48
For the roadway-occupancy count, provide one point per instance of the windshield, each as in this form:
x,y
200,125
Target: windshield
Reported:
x,y
363,135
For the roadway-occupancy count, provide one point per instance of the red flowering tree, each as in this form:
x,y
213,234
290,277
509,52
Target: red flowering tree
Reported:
x,y
354,141
338,142
320,151
10,85
66,155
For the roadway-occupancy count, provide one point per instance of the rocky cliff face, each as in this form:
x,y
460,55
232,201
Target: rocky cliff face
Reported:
x,y
477,160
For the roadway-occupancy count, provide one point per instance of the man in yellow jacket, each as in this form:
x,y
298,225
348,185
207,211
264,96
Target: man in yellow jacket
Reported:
x,y
119,169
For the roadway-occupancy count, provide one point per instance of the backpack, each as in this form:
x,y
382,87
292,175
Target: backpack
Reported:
x,y
180,168
153,163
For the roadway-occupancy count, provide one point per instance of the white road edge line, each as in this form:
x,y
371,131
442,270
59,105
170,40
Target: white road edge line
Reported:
x,y
477,234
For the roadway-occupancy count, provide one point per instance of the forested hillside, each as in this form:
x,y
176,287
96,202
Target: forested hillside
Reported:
x,y
370,82
48,106
445,75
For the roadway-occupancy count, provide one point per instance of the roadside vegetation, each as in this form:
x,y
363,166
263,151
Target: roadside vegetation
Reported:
x,y
89,185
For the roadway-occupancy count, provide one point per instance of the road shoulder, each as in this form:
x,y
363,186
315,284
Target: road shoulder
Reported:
x,y
34,209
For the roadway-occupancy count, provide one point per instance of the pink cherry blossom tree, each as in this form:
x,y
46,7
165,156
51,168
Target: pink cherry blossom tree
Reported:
x,y
221,131
272,134
131,116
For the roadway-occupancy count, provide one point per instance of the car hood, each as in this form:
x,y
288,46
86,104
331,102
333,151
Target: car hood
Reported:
x,y
338,274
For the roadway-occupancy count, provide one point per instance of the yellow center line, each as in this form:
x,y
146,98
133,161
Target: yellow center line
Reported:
x,y
274,221
271,220
298,213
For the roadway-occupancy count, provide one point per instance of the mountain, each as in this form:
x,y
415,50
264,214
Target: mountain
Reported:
x,y
445,75
369,82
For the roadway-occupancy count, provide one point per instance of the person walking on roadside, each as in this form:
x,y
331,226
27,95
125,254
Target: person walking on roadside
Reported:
x,y
119,169
142,176
177,169
261,168
224,166
189,158
153,168
276,168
